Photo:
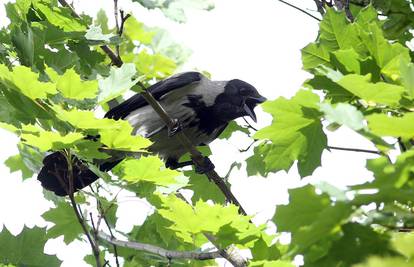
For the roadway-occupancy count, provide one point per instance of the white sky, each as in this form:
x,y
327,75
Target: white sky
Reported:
x,y
257,41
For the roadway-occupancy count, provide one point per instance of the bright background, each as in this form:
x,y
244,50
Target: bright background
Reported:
x,y
256,41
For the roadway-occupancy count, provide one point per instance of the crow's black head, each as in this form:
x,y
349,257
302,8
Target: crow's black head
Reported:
x,y
238,100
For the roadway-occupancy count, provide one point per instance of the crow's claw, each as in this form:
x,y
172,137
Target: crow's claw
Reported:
x,y
175,128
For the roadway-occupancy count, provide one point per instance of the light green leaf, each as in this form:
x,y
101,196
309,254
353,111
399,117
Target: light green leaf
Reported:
x,y
122,139
384,125
115,134
83,119
349,59
60,17
314,55
65,222
379,93
16,163
22,79
403,243
154,66
385,262
278,263
188,221
381,49
407,77
118,81
336,32
150,169
344,114
47,140
295,134
26,249
72,86
136,30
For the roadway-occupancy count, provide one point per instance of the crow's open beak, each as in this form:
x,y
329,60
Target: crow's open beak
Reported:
x,y
250,112
251,102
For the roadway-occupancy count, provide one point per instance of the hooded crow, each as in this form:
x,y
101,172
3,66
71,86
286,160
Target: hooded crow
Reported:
x,y
202,107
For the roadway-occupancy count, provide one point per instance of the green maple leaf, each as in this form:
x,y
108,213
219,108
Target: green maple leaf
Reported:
x,y
72,86
23,80
266,263
385,262
154,66
188,221
65,222
114,134
357,243
314,55
60,17
47,140
381,93
310,217
384,125
295,134
136,30
336,32
16,163
402,242
150,169
26,249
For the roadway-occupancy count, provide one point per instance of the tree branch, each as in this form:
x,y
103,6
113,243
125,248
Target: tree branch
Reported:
x,y
81,220
355,150
301,10
196,156
169,254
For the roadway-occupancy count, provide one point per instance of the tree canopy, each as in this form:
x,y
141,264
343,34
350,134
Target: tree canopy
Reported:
x,y
62,66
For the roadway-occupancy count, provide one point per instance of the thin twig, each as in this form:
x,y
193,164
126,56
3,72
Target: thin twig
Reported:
x,y
92,242
247,148
169,254
123,19
249,125
117,25
301,10
355,150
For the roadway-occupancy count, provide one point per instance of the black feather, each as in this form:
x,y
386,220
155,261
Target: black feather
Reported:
x,y
157,90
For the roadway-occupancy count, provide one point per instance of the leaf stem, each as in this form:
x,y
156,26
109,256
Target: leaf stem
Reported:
x,y
355,150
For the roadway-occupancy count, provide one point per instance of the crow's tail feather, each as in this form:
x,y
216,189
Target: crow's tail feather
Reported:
x,y
54,174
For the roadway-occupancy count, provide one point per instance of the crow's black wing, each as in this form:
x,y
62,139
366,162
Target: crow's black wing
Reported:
x,y
157,90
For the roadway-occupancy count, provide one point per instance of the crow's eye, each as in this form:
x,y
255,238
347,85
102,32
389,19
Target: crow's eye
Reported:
x,y
244,91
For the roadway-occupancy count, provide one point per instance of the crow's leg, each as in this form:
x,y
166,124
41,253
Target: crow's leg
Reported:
x,y
207,165
173,164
